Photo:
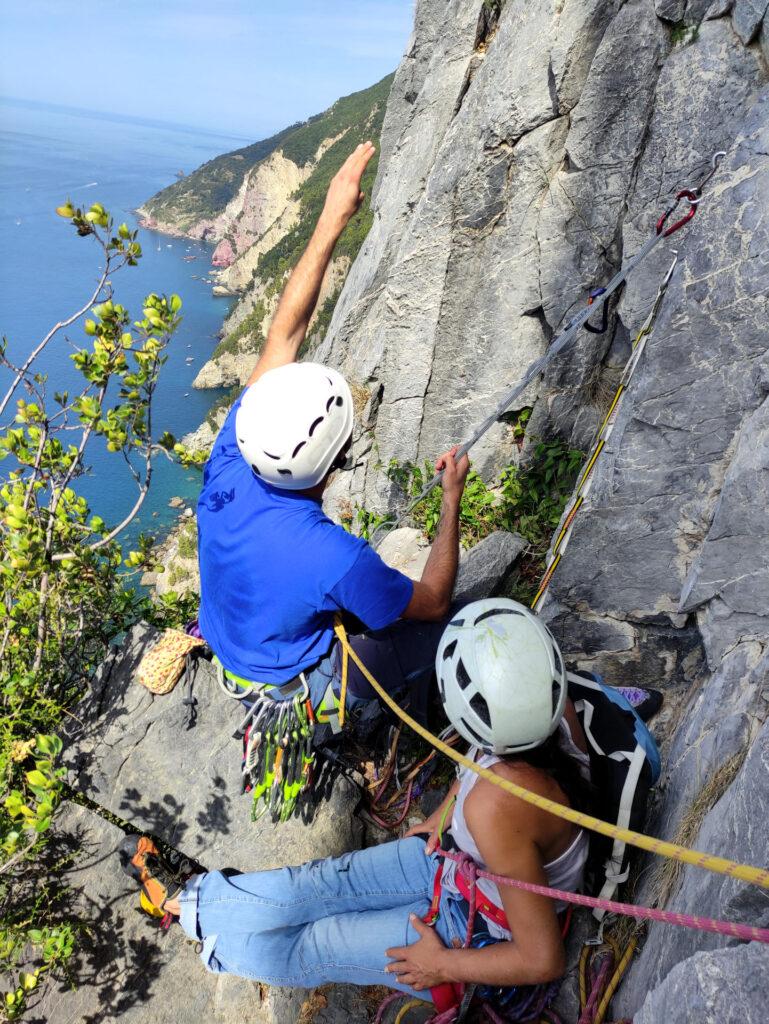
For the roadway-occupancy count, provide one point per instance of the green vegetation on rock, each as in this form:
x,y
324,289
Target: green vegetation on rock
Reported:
x,y
247,336
204,194
276,262
527,499
348,113
65,581
222,402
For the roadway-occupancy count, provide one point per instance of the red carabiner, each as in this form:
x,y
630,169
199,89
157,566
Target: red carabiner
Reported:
x,y
693,199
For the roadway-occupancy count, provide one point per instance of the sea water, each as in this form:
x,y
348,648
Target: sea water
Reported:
x,y
49,154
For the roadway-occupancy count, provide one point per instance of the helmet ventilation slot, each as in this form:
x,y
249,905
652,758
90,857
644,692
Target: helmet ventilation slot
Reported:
x,y
463,678
449,649
481,708
478,740
494,612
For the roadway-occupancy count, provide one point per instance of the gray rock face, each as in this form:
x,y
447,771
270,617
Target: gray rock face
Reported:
x,y
712,988
125,968
747,16
736,828
554,144
482,568
670,10
406,550
137,759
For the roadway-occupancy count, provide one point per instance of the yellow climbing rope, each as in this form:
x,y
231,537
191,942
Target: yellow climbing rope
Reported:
x,y
708,861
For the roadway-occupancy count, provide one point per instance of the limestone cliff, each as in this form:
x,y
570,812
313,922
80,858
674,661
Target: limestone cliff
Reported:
x,y
527,152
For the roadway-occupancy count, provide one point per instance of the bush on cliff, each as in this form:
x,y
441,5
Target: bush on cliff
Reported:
x,y
527,499
65,588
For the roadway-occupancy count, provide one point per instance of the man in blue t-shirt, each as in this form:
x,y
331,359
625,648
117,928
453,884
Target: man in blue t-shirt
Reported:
x,y
274,569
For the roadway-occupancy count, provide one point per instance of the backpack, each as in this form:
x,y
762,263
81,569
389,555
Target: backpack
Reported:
x,y
624,765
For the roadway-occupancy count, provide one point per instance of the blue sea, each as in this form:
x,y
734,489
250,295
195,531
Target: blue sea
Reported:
x,y
49,154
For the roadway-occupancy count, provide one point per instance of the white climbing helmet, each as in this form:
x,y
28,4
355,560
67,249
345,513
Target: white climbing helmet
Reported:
x,y
293,423
501,676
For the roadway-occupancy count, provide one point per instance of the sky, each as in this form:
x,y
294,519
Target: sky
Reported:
x,y
241,67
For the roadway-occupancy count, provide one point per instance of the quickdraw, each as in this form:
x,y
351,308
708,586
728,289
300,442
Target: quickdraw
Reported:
x,y
278,755
585,481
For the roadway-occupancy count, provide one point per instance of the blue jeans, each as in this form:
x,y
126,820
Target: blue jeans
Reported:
x,y
326,921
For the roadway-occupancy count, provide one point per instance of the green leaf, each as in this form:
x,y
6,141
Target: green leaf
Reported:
x,y
36,778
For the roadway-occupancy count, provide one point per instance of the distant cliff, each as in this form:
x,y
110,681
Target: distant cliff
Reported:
x,y
259,205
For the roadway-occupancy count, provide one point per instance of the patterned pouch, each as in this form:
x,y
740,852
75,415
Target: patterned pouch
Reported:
x,y
162,666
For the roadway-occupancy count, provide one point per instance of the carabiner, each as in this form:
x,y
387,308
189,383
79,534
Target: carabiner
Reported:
x,y
714,162
692,198
605,317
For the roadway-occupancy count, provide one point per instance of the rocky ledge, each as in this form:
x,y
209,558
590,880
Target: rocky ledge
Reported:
x,y
141,766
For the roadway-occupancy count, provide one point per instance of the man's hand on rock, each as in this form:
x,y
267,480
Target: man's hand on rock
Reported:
x,y
454,474
344,196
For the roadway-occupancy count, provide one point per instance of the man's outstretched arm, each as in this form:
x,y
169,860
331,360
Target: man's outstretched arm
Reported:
x,y
289,326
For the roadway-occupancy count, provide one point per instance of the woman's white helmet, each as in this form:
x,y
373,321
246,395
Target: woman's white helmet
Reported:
x,y
293,423
501,676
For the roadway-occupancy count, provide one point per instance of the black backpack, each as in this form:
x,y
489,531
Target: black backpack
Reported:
x,y
624,765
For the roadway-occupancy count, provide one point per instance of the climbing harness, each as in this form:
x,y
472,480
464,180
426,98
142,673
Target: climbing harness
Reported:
x,y
597,300
747,933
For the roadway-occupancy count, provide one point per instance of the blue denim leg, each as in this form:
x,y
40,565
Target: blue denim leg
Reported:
x,y
328,920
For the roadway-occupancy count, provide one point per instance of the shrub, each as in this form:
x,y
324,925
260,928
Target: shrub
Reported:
x,y
528,500
64,579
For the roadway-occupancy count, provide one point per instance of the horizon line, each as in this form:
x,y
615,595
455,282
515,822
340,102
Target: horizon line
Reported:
x,y
131,118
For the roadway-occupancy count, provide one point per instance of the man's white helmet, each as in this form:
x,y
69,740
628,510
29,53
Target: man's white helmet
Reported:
x,y
293,423
501,676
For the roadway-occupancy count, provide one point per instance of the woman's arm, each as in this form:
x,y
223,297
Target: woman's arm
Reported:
x,y
504,829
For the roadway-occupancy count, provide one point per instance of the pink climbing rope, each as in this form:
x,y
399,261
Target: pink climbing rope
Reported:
x,y
704,924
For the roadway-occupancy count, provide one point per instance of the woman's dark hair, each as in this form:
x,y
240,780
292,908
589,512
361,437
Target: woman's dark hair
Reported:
x,y
550,757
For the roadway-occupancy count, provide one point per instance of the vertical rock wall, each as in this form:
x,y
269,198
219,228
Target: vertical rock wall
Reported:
x,y
524,159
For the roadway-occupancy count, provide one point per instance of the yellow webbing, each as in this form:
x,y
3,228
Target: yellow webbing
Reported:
x,y
708,861
343,690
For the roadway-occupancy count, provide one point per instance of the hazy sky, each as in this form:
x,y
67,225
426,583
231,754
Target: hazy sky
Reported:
x,y
248,67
